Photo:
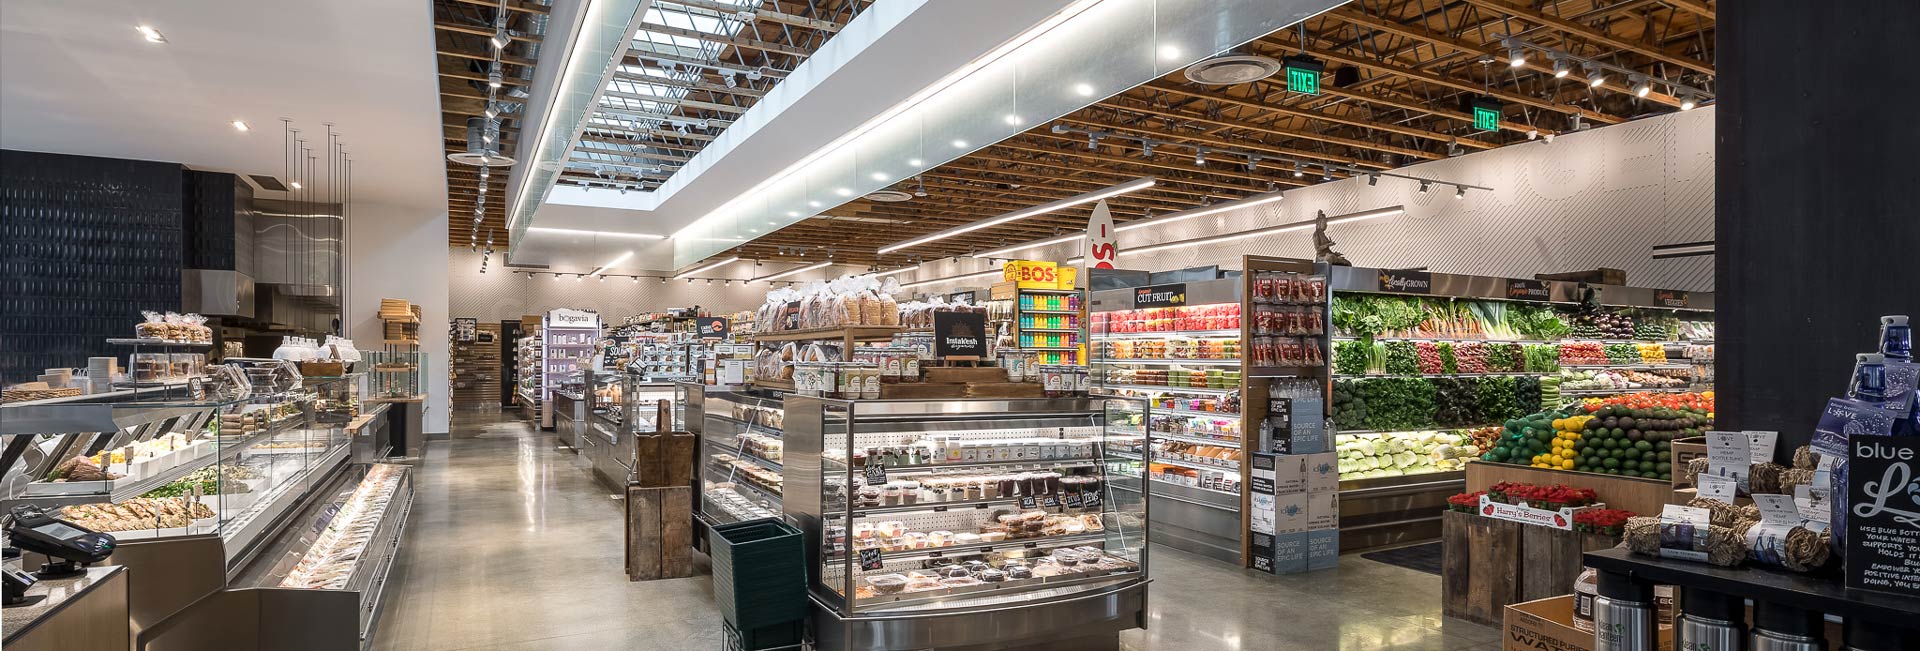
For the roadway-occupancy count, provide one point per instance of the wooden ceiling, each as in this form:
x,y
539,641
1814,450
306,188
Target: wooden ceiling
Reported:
x,y
1398,72
461,32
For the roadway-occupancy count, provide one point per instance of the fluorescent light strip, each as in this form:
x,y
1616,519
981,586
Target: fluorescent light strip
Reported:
x,y
710,267
883,274
1249,202
790,272
571,231
1271,230
610,264
1090,197
916,99
972,276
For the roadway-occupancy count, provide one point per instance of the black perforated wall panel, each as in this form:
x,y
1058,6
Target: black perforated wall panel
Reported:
x,y
85,244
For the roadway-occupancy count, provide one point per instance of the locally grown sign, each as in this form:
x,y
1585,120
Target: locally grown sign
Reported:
x,y
1406,282
1528,290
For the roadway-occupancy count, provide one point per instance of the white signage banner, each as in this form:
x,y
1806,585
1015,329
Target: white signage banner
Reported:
x,y
1101,251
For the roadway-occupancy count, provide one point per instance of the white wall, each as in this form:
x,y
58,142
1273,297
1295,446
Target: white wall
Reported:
x,y
401,253
1599,198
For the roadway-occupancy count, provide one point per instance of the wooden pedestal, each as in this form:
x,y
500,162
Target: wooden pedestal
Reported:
x,y
659,533
1487,564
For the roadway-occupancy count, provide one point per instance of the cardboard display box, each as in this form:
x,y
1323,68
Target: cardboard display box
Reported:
x,y
1547,625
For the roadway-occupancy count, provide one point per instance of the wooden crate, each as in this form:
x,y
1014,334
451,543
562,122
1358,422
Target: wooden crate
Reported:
x,y
662,460
1487,564
659,533
964,374
1641,496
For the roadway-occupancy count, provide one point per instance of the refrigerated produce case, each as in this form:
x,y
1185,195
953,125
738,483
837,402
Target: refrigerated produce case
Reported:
x,y
1467,339
979,523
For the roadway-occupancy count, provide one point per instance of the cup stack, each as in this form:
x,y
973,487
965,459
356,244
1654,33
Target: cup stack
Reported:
x,y
100,372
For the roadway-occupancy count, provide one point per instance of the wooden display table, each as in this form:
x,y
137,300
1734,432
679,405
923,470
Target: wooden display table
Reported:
x,y
1487,564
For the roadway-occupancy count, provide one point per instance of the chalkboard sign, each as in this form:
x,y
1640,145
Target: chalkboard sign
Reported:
x,y
1051,501
1883,514
1406,282
1028,502
870,559
1090,499
711,327
960,335
1528,290
1173,295
1074,500
876,475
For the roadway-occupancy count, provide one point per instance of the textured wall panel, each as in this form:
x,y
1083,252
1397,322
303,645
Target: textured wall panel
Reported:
x,y
1600,198
85,244
499,295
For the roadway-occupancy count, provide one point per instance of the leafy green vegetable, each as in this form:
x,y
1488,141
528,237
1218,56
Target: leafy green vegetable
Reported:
x,y
1497,398
1448,364
1542,358
1402,358
1456,402
1397,404
1351,357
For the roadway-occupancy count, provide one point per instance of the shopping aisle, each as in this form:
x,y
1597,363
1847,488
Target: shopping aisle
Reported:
x,y
514,547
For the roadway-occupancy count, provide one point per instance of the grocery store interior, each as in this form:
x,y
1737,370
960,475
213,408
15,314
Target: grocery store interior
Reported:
x,y
488,325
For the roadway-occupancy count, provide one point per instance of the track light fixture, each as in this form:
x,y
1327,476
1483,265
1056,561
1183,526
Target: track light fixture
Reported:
x,y
1200,157
1459,192
1641,86
1253,162
1688,101
1093,141
1516,57
1426,186
500,39
1373,179
1298,170
1562,67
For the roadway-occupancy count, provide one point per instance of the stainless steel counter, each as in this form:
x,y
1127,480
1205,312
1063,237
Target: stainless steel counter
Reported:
x,y
61,608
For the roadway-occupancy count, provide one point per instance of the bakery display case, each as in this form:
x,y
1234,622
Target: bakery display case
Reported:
x,y
977,522
528,360
741,448
567,407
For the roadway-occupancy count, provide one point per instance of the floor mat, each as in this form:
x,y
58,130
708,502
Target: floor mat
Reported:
x,y
1423,557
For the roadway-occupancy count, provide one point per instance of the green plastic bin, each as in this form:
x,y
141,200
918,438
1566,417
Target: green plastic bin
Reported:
x,y
759,573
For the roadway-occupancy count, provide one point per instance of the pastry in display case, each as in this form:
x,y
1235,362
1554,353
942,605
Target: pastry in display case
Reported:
x,y
934,513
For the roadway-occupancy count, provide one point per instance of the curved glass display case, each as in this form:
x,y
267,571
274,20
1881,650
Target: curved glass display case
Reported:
x,y
741,450
939,517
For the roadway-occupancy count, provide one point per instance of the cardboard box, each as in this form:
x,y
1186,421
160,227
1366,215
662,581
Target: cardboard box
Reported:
x,y
1290,553
1291,514
1323,511
1684,450
1289,474
1547,625
1323,549
1323,472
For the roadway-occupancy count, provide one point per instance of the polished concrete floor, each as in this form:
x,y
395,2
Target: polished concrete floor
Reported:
x,y
513,546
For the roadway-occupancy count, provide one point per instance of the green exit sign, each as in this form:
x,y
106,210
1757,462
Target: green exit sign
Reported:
x,y
1303,74
1486,114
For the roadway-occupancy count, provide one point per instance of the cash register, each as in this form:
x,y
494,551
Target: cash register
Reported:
x,y
68,546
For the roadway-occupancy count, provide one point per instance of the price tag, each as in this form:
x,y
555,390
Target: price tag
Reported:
x,y
1027,502
1729,454
1091,499
1760,445
1717,488
1051,501
870,559
1777,509
876,474
939,509
1073,500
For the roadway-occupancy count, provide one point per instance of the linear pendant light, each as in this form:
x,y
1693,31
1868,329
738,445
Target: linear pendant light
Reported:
x,y
1190,213
1271,230
1090,197
612,263
710,267
972,276
789,272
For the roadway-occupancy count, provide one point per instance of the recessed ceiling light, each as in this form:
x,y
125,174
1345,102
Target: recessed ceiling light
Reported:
x,y
1169,52
915,162
793,213
843,192
1085,90
814,204
152,35
879,176
1013,119
295,185
240,126
959,144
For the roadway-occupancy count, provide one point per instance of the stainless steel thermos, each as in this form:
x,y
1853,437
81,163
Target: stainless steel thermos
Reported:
x,y
1623,614
1710,621
1785,628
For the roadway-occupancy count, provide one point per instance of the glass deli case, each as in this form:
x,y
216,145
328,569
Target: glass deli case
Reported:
x,y
976,522
741,449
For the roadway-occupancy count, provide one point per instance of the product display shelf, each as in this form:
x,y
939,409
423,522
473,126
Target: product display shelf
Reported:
x,y
568,341
872,592
1359,376
1048,322
1817,594
727,492
1132,339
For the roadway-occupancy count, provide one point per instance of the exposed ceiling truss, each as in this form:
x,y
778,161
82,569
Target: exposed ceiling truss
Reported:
x,y
463,30
1400,74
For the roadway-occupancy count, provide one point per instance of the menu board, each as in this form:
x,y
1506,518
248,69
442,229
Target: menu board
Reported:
x,y
1883,514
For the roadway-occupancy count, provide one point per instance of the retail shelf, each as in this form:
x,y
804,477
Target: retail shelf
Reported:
x,y
1031,311
1201,440
1052,463
1049,348
1037,290
1282,371
984,547
739,483
763,461
1170,333
1192,464
1157,411
1613,392
159,342
1027,329
1155,387
1170,362
756,428
1627,366
1130,456
856,332
1235,494
933,507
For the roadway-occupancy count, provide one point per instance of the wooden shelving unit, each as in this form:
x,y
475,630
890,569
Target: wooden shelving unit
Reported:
x,y
476,368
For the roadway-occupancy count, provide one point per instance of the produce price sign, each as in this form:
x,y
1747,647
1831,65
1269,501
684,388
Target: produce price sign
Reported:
x,y
1883,514
1173,295
1406,282
1524,514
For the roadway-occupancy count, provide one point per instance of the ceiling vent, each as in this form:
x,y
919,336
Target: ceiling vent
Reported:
x,y
890,196
483,144
1230,69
